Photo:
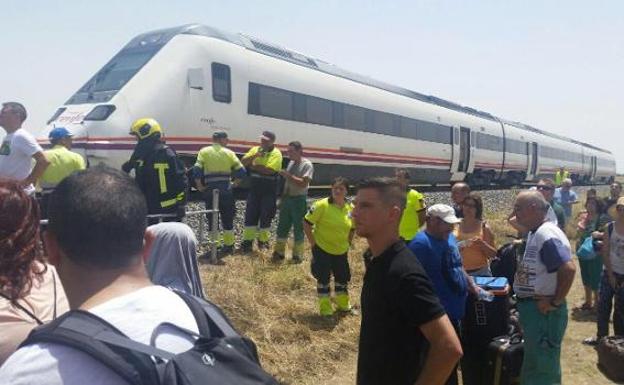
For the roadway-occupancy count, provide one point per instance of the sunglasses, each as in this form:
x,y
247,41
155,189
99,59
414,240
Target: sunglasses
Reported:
x,y
544,188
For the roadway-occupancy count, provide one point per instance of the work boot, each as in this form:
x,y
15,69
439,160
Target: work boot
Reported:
x,y
246,247
277,257
342,302
263,245
297,259
325,306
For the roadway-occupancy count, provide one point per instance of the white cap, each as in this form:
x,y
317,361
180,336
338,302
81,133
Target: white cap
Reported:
x,y
444,212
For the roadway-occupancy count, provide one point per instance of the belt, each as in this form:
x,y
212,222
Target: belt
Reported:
x,y
535,298
216,179
260,176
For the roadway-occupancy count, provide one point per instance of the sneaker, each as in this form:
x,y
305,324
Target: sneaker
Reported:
x,y
263,245
246,247
277,257
591,341
297,259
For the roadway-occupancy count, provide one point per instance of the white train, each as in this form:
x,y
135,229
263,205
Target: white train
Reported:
x,y
195,80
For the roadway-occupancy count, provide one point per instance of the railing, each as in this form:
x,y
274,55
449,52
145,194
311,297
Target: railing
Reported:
x,y
214,233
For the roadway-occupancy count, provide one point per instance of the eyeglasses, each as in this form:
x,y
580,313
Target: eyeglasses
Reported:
x,y
544,188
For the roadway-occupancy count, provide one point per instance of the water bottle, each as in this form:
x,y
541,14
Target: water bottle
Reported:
x,y
485,295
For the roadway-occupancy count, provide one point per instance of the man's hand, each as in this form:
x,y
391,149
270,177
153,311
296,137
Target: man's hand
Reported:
x,y
284,174
544,306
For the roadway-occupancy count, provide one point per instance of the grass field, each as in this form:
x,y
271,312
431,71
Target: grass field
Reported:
x,y
275,305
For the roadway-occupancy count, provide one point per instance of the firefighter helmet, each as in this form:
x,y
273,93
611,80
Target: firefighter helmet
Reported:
x,y
145,127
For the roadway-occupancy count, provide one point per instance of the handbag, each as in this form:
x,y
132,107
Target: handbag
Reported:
x,y
586,252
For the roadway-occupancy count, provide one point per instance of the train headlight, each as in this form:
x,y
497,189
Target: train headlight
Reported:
x,y
101,112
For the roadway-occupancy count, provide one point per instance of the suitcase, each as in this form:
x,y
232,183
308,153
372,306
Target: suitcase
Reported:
x,y
611,357
482,320
504,360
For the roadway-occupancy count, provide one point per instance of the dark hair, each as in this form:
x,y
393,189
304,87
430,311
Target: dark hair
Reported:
x,y
18,108
619,185
341,181
476,198
548,182
20,243
296,144
98,217
593,191
601,205
389,189
405,172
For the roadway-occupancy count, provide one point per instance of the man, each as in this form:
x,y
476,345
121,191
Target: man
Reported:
x,y
436,250
565,197
615,191
414,214
63,163
214,168
158,171
18,148
543,279
264,163
459,192
561,175
293,204
555,212
405,337
95,240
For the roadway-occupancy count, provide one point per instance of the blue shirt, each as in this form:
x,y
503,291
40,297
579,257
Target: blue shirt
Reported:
x,y
442,262
565,199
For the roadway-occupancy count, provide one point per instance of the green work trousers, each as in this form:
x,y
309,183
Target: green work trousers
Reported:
x,y
291,213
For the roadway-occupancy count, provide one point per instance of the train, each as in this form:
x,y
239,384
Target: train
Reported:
x,y
195,80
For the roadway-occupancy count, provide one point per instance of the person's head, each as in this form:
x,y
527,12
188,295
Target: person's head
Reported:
x,y
561,168
267,140
146,129
459,192
440,220
547,188
619,207
62,136
595,206
472,206
379,204
530,209
566,184
592,193
615,190
220,137
295,151
12,116
97,221
402,176
19,240
339,189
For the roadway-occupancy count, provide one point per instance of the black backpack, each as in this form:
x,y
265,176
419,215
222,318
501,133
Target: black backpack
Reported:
x,y
506,262
219,356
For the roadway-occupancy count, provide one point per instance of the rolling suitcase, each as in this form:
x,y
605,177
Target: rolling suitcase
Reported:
x,y
483,320
611,357
504,360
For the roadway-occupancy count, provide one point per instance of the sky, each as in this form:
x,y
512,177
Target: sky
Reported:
x,y
556,65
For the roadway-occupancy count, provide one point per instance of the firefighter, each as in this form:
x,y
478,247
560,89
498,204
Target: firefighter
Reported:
x,y
413,216
63,163
264,162
158,171
213,169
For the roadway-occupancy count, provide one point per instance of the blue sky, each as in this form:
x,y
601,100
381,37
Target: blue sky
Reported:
x,y
557,65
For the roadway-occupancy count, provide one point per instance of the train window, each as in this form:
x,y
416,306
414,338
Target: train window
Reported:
x,y
383,123
354,118
221,83
409,128
319,111
338,120
300,114
275,103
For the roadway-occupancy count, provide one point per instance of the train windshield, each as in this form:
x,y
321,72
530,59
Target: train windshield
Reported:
x,y
114,75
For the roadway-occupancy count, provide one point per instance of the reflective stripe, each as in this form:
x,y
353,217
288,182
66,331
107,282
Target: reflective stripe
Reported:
x,y
169,202
161,167
217,179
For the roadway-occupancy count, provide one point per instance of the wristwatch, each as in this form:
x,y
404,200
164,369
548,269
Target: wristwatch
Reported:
x,y
553,304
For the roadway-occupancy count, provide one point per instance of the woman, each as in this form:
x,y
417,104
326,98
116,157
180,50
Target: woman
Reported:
x,y
329,230
592,220
475,238
30,290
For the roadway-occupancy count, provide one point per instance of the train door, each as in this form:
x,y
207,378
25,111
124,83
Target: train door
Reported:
x,y
532,158
593,168
462,162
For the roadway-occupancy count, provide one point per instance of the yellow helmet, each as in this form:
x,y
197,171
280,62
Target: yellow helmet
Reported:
x,y
145,127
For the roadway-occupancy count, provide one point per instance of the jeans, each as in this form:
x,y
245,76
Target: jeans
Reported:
x,y
606,296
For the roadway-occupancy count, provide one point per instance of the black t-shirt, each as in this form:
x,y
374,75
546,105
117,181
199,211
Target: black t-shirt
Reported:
x,y
397,297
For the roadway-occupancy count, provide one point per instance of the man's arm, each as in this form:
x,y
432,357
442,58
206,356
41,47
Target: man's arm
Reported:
x,y
40,166
565,277
444,351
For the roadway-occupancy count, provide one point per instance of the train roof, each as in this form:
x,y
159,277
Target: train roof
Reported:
x,y
254,44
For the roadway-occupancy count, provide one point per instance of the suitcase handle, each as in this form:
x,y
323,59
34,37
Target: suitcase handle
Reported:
x,y
515,338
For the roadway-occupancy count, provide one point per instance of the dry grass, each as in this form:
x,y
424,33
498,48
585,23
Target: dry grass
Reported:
x,y
275,305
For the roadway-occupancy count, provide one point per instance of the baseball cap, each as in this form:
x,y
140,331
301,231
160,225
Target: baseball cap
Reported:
x,y
59,133
219,135
268,135
444,212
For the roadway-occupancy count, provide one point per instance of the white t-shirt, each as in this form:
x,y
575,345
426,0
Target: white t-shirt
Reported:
x,y
136,315
16,153
616,251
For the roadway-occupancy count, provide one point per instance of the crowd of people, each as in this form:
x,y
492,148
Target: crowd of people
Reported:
x,y
98,254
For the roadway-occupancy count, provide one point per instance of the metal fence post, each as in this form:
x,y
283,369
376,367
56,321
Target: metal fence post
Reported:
x,y
214,234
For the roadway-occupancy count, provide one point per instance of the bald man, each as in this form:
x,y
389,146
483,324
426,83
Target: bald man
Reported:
x,y
543,279
459,192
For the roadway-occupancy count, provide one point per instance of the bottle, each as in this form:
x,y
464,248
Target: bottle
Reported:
x,y
485,295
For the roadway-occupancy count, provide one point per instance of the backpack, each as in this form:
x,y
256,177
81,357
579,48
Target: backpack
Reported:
x,y
506,262
219,356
